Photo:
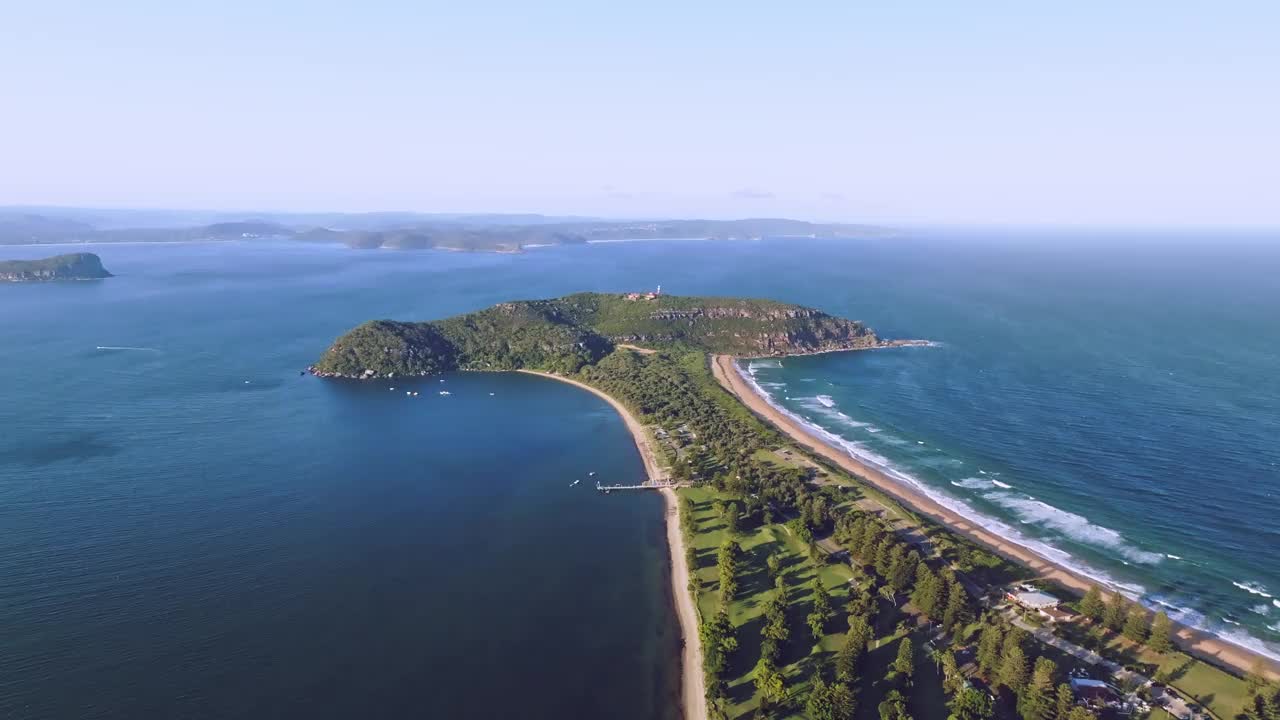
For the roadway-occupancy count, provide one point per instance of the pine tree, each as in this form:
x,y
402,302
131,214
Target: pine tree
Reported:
x,y
1092,605
818,706
957,611
901,570
904,664
1065,701
1037,701
1135,627
952,678
884,556
1116,612
822,612
769,682
1013,667
843,705
972,704
1161,639
894,707
989,644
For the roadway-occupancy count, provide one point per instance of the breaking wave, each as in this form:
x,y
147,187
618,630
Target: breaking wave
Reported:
x,y
1252,587
1074,526
999,484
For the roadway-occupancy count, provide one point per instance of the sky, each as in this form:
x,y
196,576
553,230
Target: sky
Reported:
x,y
1089,113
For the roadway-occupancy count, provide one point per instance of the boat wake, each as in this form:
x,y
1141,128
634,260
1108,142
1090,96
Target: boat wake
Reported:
x,y
123,348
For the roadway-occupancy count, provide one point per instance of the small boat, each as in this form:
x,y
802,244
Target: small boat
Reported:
x,y
575,482
392,388
591,474
490,394
445,392
406,392
415,394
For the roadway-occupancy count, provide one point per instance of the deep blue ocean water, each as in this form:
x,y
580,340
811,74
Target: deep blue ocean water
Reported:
x,y
190,528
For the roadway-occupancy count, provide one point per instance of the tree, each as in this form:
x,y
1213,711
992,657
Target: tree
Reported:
x,y
818,706
1092,605
904,664
971,704
1135,627
856,641
989,649
822,611
731,518
842,702
927,596
1064,702
1116,612
1079,713
727,560
952,678
894,707
1037,701
900,571
774,564
769,682
1013,667
1161,639
829,701
957,611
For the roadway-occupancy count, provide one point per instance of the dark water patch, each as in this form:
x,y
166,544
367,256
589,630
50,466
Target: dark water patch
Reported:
x,y
76,448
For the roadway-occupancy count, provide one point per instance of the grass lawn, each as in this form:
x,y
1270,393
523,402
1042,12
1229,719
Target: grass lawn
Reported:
x,y
801,654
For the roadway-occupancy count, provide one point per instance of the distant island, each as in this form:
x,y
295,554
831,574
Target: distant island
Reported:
x,y
807,580
403,231
569,333
73,266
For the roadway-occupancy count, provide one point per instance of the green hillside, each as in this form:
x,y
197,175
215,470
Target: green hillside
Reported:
x,y
565,334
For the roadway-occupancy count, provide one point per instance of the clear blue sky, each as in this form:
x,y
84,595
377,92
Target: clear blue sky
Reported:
x,y
1018,112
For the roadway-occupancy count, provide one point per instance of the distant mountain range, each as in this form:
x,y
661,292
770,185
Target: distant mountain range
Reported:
x,y
495,233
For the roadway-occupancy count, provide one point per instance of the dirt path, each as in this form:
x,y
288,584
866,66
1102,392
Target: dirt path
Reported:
x,y
1198,643
693,692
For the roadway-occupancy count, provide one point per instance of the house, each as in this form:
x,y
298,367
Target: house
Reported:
x,y
1034,600
1092,692
1056,614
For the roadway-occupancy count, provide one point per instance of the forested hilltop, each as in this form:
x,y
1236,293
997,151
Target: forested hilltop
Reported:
x,y
566,334
75,266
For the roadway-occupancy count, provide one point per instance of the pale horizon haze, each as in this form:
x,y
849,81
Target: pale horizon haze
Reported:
x,y
1142,113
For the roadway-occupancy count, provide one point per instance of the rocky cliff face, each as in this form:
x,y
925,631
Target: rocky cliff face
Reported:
x,y
75,266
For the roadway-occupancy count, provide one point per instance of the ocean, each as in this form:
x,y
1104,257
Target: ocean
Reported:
x,y
190,527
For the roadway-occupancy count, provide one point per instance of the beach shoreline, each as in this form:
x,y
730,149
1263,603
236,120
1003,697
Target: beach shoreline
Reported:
x,y
1196,642
692,692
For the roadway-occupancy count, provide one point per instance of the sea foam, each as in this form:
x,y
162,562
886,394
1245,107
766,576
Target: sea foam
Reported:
x,y
1076,527
1252,587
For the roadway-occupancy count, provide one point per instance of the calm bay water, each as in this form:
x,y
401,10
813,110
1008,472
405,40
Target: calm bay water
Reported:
x,y
178,541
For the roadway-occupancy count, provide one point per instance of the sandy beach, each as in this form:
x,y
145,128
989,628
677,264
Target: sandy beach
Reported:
x,y
693,693
1199,643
